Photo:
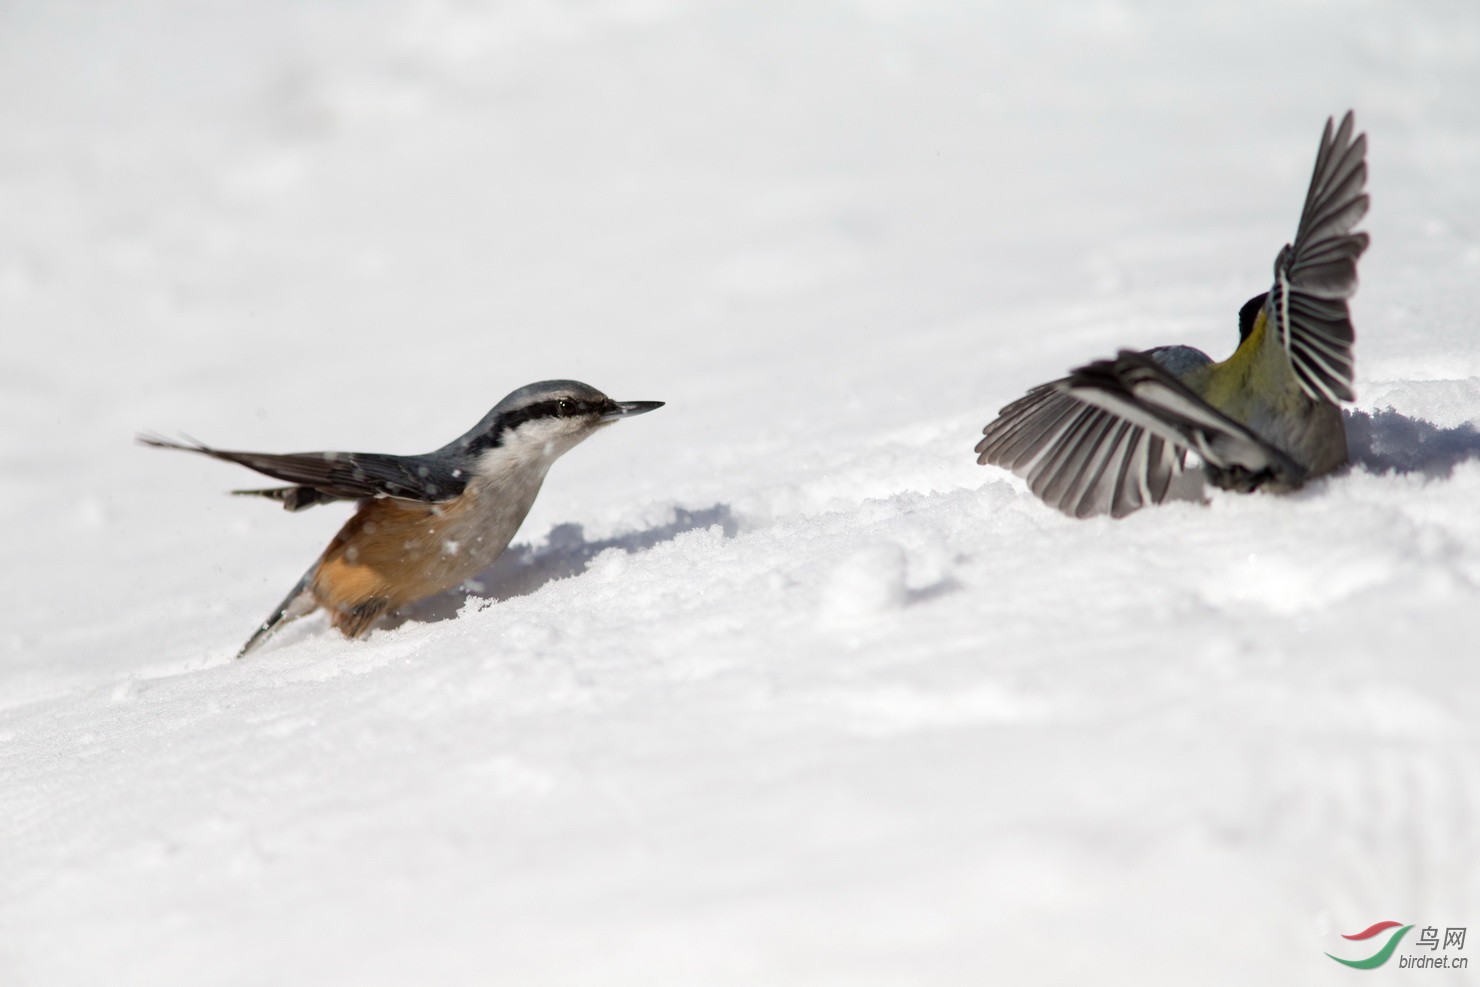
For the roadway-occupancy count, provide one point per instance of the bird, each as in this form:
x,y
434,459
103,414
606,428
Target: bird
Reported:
x,y
1110,437
426,523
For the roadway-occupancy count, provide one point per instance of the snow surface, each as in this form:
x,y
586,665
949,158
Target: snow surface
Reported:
x,y
777,685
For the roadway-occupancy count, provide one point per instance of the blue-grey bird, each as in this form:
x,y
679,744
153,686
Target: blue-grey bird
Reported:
x,y
1109,438
425,523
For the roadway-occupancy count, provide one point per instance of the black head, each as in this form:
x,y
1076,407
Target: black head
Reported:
x,y
1249,314
551,416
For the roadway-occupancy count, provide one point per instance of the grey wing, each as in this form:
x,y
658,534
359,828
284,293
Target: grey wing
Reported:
x,y
1139,389
1314,276
337,475
1079,458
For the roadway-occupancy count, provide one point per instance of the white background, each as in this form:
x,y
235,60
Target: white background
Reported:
x,y
785,688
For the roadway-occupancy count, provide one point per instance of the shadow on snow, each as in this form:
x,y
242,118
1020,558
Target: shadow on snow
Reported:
x,y
1389,442
522,569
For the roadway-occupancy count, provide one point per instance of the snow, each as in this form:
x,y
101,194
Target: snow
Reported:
x,y
776,684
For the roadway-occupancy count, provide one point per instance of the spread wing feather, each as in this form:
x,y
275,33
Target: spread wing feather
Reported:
x,y
1109,438
1314,276
1137,388
1080,459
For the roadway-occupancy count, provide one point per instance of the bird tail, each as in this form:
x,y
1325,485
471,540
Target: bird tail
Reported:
x,y
298,603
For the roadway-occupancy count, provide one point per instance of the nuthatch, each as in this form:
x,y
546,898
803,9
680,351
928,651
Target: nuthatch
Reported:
x,y
425,523
1108,438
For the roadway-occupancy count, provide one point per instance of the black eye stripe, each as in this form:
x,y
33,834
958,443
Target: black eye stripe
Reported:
x,y
550,408
553,408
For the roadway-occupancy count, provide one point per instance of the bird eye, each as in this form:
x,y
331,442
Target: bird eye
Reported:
x,y
565,406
